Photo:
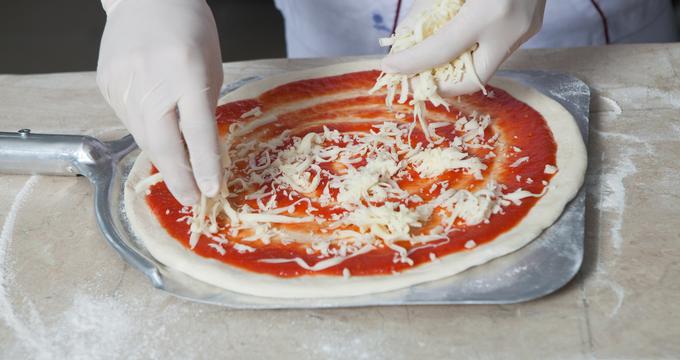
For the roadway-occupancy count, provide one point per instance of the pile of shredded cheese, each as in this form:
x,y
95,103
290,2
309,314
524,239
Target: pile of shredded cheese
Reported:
x,y
355,174
423,86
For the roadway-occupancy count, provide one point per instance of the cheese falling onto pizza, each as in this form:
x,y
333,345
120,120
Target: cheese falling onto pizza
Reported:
x,y
422,87
358,176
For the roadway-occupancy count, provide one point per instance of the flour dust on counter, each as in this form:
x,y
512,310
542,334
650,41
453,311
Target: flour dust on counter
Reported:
x,y
93,326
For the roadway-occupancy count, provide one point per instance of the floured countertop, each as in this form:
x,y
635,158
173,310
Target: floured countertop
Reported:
x,y
65,294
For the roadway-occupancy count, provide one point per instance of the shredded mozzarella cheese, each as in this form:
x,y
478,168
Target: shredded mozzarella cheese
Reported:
x,y
281,183
254,112
519,162
423,86
549,169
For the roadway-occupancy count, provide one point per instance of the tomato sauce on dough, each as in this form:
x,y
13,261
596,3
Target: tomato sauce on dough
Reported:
x,y
519,126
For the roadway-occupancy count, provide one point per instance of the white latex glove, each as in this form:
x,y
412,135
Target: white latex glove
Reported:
x,y
160,69
499,27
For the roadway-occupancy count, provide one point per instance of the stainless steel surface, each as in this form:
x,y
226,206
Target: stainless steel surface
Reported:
x,y
538,269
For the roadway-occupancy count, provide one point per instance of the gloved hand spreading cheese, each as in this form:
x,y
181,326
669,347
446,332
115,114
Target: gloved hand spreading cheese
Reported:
x,y
453,47
160,69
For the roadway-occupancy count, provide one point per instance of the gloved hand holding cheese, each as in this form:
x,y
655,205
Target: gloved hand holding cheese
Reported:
x,y
160,69
453,47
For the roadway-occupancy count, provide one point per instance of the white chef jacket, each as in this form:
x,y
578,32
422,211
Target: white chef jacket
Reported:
x,y
326,28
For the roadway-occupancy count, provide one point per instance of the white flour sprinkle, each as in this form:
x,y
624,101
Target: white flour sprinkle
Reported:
x,y
7,313
90,326
611,196
601,281
605,104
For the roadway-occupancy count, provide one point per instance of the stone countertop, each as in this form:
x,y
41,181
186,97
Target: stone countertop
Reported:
x,y
64,293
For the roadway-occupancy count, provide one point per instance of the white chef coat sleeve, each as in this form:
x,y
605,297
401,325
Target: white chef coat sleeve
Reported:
x,y
327,28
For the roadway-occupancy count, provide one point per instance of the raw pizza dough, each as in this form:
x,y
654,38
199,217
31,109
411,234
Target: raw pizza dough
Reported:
x,y
571,161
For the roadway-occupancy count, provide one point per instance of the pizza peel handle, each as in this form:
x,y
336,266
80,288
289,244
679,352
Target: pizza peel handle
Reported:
x,y
70,155
49,154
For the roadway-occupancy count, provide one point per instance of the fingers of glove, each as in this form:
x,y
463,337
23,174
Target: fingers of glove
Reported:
x,y
457,36
166,150
197,122
486,59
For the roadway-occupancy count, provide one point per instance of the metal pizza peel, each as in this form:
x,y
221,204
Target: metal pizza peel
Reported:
x,y
538,269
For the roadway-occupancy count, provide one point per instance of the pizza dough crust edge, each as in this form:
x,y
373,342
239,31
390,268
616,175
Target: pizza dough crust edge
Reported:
x,y
571,162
